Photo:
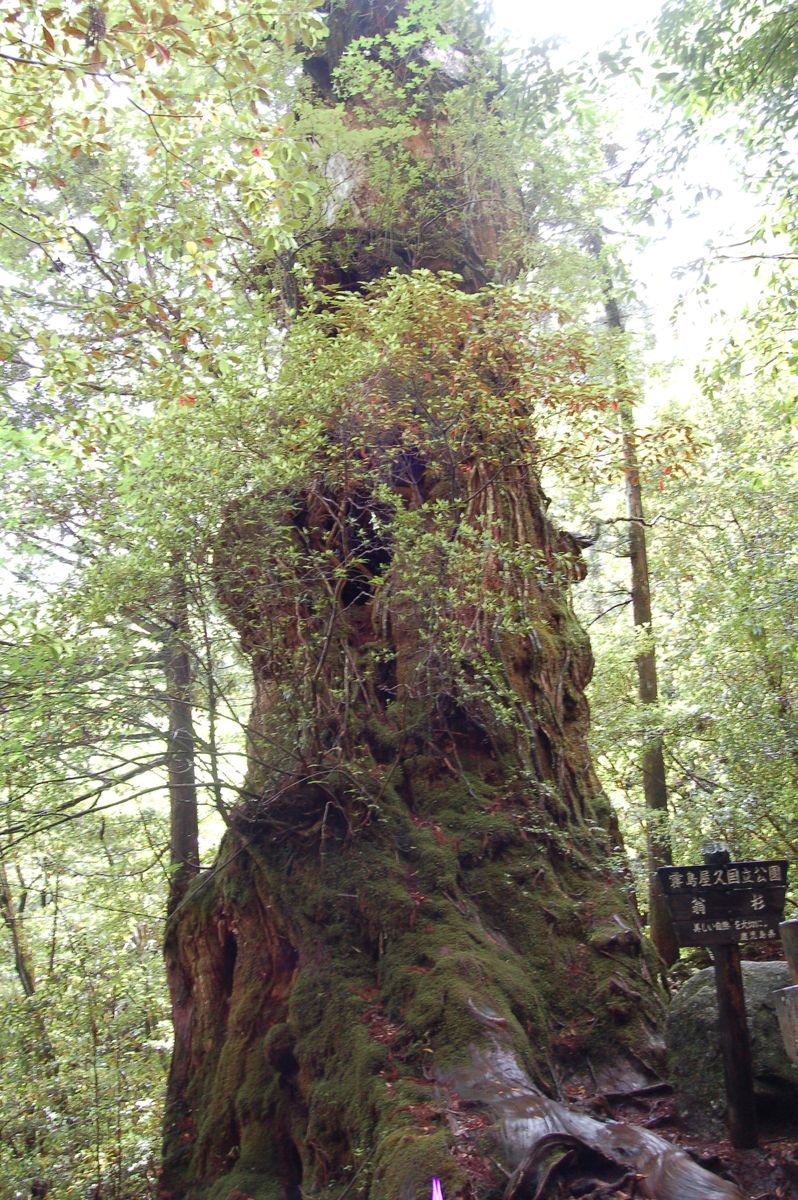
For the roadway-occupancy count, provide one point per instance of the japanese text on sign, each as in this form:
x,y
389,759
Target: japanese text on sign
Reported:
x,y
678,879
725,902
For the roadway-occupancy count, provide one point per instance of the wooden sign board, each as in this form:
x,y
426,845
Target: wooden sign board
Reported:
x,y
725,903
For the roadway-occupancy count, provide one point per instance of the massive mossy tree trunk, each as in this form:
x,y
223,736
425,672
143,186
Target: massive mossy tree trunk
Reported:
x,y
417,935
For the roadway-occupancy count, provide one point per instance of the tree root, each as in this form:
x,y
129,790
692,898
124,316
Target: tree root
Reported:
x,y
608,1153
617,1154
587,1173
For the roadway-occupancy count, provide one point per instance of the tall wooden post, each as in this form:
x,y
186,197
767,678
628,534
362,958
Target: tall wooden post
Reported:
x,y
735,1047
735,1043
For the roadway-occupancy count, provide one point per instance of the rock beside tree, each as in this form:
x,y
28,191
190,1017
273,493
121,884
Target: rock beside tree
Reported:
x,y
695,1064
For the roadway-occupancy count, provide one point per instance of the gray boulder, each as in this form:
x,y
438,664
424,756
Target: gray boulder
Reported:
x,y
691,1035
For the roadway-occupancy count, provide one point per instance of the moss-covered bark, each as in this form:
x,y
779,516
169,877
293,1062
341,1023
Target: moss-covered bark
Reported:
x,y
336,979
384,993
391,965
418,933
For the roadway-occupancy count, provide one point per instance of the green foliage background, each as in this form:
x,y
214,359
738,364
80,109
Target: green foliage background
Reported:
x,y
168,196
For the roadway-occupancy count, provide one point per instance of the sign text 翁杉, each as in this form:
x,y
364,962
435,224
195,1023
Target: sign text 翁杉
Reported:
x,y
736,902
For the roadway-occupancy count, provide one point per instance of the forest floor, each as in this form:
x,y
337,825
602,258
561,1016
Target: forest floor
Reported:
x,y
767,1173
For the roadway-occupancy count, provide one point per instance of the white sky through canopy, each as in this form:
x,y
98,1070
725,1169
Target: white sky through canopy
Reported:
x,y
583,28
582,24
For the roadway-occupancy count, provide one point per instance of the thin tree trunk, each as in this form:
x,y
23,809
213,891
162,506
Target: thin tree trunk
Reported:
x,y
23,963
184,832
26,972
655,788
